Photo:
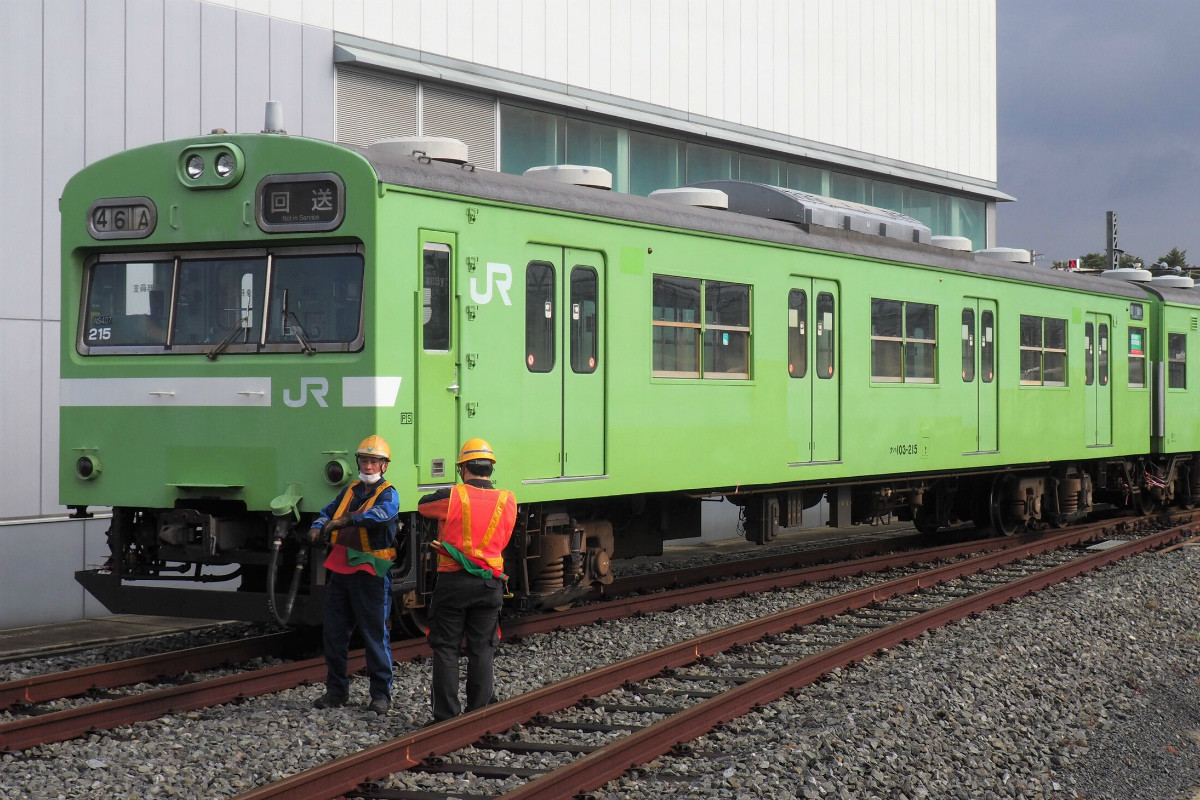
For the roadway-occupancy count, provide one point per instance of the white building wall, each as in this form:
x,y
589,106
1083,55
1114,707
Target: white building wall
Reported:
x,y
907,80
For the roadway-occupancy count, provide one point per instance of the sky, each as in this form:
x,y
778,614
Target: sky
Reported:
x,y
1098,109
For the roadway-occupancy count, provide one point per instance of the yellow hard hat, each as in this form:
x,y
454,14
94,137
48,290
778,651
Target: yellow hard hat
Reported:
x,y
474,450
375,446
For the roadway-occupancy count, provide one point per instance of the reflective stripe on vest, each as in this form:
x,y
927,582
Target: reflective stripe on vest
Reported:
x,y
480,549
388,553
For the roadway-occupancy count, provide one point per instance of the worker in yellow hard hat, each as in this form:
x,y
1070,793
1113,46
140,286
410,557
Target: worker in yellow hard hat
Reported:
x,y
475,522
360,525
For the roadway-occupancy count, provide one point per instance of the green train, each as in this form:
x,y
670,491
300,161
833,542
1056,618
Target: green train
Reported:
x,y
238,311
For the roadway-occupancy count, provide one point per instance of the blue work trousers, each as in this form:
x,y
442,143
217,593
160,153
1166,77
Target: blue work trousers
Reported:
x,y
463,605
358,600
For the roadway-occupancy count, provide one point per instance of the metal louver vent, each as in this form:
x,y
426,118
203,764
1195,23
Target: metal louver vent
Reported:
x,y
469,118
373,106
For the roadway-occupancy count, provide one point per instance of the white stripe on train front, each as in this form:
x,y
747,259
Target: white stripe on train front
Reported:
x,y
251,392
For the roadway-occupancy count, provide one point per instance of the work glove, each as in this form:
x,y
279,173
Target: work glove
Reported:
x,y
329,529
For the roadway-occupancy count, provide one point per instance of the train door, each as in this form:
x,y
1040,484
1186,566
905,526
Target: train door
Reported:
x,y
437,362
564,361
1097,386
814,399
979,373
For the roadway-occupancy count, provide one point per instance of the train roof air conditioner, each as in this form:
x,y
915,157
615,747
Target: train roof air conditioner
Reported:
x,y
435,148
693,196
574,174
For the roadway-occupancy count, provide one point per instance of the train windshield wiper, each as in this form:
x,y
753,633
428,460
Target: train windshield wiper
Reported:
x,y
241,326
296,329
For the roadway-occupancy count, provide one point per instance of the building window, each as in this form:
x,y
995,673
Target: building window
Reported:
x,y
539,317
1176,361
1043,351
903,342
687,345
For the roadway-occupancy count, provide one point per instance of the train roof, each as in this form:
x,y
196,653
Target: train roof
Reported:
x,y
465,180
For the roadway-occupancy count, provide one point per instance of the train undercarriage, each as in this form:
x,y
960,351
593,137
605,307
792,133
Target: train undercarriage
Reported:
x,y
169,561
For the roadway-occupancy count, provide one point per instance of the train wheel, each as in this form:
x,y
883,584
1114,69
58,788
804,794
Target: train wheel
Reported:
x,y
409,623
1003,521
1145,503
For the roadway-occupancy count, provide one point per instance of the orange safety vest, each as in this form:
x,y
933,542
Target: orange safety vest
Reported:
x,y
479,523
336,558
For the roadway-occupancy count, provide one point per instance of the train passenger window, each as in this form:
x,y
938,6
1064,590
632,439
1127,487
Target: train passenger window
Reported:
x,y
435,298
903,341
1102,361
726,330
987,346
1089,354
968,345
1137,357
1176,360
797,333
315,298
826,336
1043,351
128,304
585,331
539,317
676,323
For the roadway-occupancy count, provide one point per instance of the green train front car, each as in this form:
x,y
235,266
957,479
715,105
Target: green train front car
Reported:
x,y
215,379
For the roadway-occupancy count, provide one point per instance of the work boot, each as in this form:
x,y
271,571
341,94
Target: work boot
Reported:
x,y
379,705
329,700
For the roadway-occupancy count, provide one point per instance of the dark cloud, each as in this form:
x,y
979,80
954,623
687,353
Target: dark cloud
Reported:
x,y
1098,110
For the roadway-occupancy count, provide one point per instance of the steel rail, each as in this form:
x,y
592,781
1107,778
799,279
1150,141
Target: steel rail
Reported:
x,y
344,774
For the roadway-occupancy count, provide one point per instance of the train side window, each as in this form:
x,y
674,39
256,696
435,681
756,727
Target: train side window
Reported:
x,y
797,333
435,298
987,346
1176,361
539,317
585,316
676,323
1089,354
826,336
726,330
1137,358
1102,361
968,345
1043,351
903,342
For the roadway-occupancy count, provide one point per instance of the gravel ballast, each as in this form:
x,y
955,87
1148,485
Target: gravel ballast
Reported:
x,y
1090,689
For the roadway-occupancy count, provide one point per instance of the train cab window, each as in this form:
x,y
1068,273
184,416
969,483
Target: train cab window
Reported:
x,y
903,342
968,345
1043,351
1176,361
128,304
221,302
539,317
435,298
726,330
987,346
315,298
585,332
797,333
1137,357
826,336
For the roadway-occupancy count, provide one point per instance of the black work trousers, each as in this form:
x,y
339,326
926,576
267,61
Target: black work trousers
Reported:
x,y
463,605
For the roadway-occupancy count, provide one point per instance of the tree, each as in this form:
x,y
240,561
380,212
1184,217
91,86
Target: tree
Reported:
x,y
1175,258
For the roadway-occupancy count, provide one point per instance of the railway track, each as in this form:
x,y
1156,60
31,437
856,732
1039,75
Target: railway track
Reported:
x,y
724,675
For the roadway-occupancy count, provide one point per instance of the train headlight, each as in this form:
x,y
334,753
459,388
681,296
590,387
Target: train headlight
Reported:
x,y
336,472
226,160
195,166
87,467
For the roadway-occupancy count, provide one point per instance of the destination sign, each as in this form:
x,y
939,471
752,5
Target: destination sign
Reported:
x,y
301,202
122,218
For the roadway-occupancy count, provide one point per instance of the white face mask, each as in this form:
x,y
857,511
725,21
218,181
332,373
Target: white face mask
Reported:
x,y
370,479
